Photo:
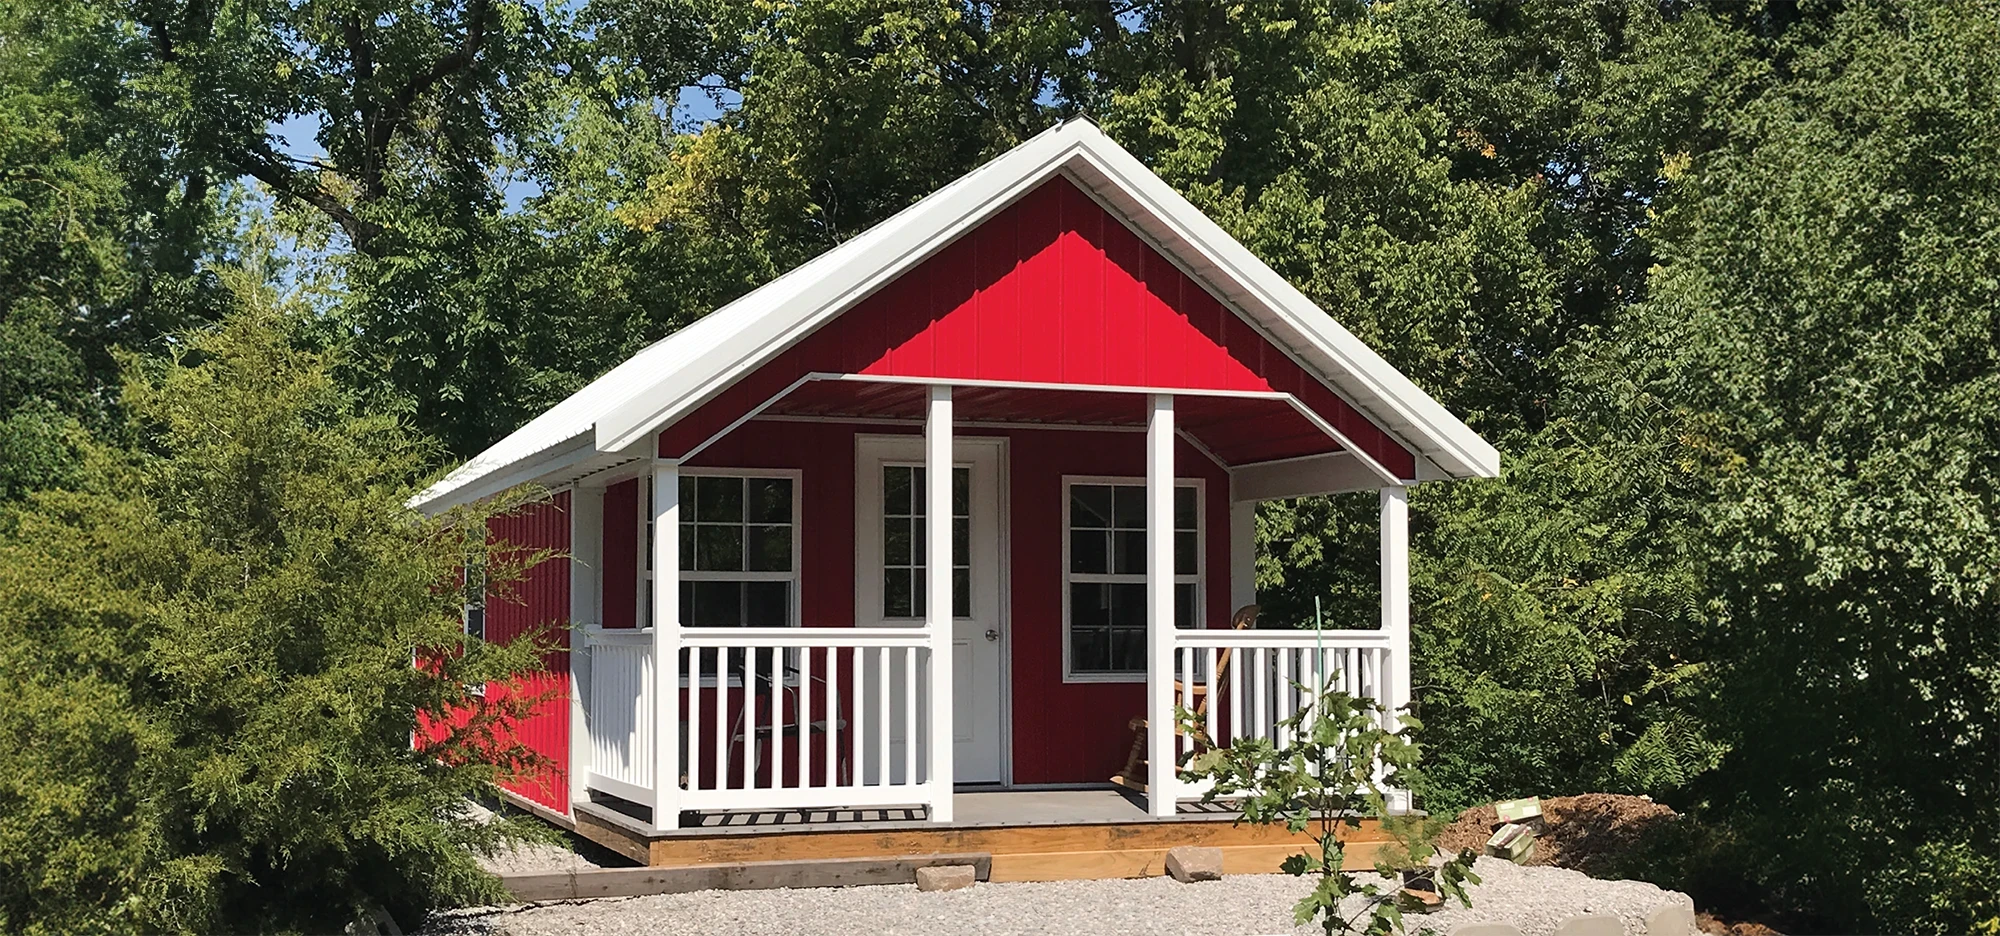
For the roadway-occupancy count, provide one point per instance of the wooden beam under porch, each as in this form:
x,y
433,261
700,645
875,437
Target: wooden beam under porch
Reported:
x,y
1032,835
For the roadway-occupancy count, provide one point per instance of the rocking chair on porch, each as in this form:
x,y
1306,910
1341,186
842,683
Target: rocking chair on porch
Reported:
x,y
1133,776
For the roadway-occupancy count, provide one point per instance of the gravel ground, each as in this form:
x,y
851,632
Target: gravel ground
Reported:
x,y
1534,899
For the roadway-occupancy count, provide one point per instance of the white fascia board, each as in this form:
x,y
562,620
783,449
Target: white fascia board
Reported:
x,y
438,499
1296,321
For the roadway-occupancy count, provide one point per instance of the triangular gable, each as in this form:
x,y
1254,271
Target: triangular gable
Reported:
x,y
688,372
1051,289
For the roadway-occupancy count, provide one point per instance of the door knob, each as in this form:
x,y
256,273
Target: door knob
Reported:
x,y
992,634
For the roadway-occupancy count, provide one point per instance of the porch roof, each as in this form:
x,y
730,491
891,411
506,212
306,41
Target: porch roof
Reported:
x,y
1233,429
614,417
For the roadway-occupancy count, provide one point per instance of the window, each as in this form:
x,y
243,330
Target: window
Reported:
x,y
473,615
1104,574
904,550
738,546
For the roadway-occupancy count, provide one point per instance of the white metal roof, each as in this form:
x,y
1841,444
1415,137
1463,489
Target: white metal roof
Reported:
x,y
622,409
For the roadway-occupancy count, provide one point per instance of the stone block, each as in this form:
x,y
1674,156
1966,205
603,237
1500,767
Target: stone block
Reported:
x,y
1674,919
1591,924
946,877
1190,863
1486,929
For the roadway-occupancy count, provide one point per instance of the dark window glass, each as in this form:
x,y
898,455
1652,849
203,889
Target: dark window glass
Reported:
x,y
1107,537
904,558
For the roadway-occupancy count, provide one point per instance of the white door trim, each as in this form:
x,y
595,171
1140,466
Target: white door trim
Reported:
x,y
909,447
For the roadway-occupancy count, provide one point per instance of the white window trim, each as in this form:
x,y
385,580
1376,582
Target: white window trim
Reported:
x,y
465,613
796,576
1198,579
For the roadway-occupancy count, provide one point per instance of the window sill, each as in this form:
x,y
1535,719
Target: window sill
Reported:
x,y
1090,678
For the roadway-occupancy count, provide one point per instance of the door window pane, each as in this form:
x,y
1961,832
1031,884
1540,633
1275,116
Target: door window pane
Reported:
x,y
904,557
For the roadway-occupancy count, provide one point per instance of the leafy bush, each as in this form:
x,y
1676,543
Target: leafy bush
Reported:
x,y
207,648
1322,779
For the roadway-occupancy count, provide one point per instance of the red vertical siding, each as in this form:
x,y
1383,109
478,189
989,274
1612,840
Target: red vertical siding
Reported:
x,y
537,604
1051,289
621,554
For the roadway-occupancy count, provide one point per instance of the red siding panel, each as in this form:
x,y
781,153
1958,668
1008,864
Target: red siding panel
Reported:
x,y
621,554
1051,289
535,605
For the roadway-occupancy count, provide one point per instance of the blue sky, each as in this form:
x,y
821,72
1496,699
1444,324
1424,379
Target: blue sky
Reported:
x,y
298,135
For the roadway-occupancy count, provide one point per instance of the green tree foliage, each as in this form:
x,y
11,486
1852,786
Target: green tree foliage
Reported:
x,y
103,232
1819,341
210,642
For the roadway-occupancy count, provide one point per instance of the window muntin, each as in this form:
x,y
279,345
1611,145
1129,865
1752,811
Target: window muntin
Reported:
x,y
1104,574
738,550
905,555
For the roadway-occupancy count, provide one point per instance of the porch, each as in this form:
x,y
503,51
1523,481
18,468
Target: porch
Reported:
x,y
893,709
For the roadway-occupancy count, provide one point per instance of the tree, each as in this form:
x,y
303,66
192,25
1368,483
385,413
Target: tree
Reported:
x,y
1819,344
211,640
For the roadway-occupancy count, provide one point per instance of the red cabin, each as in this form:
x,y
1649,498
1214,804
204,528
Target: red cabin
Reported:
x,y
774,606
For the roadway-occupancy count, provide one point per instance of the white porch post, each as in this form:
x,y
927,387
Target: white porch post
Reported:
x,y
938,599
666,645
586,545
1396,615
1161,783
1396,598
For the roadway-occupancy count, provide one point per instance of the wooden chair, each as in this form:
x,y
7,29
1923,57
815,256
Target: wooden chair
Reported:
x,y
1133,776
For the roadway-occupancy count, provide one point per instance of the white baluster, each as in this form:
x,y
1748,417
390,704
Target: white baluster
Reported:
x,y
693,765
833,709
1209,680
804,717
882,713
910,715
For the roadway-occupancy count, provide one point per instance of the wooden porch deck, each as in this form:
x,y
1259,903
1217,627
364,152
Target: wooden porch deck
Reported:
x,y
1031,835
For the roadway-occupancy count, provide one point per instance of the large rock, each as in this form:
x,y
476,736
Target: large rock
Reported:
x,y
1674,919
1189,863
1592,924
946,877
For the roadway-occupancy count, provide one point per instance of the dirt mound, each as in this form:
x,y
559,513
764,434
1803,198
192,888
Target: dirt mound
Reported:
x,y
1586,833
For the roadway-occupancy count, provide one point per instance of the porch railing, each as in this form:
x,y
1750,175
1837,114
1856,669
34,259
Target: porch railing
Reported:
x,y
621,713
772,718
805,717
1268,679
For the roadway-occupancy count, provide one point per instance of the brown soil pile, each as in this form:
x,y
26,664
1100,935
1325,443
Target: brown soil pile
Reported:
x,y
1587,833
1715,926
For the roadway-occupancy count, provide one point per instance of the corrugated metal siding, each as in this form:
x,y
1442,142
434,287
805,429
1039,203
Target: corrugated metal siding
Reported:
x,y
538,603
1051,289
621,554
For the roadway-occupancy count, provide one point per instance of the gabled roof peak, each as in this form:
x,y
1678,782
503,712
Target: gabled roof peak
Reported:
x,y
624,408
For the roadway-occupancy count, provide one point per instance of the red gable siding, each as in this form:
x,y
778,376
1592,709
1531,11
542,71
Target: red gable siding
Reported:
x,y
534,604
1052,289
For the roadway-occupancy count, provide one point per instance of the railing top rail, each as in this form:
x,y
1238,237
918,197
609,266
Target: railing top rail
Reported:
x,y
1281,638
806,637
618,636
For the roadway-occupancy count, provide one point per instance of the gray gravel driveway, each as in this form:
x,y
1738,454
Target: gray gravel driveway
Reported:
x,y
1534,899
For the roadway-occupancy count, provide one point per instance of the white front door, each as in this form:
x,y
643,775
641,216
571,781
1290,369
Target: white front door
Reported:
x,y
889,579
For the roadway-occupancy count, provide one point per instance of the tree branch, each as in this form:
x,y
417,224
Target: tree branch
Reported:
x,y
453,62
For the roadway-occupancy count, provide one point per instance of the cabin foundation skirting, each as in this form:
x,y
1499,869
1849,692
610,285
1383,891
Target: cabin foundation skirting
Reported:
x,y
1063,849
